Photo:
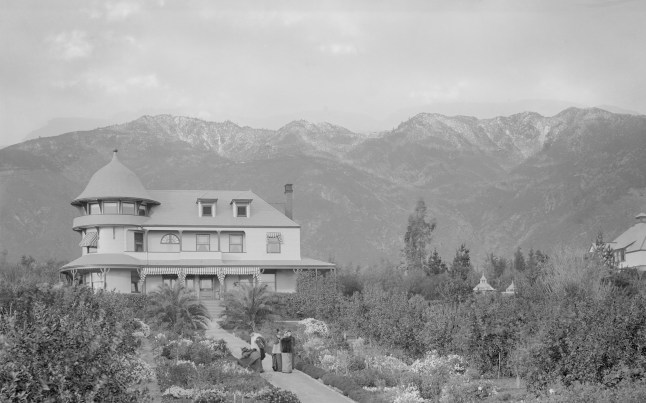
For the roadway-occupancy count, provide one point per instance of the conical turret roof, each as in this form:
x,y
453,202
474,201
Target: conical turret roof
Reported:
x,y
114,181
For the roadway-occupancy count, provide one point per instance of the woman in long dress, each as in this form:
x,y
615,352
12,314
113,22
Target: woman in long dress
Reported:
x,y
276,360
287,352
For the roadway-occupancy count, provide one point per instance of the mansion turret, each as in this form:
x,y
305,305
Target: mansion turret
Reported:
x,y
133,239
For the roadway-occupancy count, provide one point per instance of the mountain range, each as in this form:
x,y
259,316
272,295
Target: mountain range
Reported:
x,y
524,180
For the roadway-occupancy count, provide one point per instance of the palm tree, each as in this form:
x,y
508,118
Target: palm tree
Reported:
x,y
248,305
178,309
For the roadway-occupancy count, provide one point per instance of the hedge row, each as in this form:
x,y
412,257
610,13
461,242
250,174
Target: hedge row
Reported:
x,y
345,384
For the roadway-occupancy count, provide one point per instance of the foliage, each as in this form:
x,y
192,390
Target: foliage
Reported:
x,y
316,296
592,341
67,343
276,395
461,390
28,271
248,305
177,309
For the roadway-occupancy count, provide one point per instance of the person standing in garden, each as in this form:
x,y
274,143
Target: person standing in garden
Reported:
x,y
257,341
287,343
276,360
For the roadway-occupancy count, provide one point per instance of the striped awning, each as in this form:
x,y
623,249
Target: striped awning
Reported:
x,y
276,235
161,270
202,270
90,239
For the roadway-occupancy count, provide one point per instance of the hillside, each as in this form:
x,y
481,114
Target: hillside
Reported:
x,y
523,180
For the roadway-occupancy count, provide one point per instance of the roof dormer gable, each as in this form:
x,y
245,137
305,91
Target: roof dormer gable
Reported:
x,y
206,207
241,207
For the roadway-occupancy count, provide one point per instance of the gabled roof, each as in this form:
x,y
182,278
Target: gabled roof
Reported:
x,y
177,208
114,181
633,239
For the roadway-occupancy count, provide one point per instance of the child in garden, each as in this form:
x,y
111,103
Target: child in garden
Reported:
x,y
276,360
287,351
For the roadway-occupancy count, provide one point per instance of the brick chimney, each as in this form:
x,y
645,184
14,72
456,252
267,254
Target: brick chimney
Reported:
x,y
289,200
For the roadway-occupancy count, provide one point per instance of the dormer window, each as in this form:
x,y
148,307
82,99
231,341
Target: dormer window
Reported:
x,y
207,210
206,207
142,210
241,207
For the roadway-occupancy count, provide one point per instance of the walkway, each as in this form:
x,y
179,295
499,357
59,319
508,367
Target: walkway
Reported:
x,y
307,389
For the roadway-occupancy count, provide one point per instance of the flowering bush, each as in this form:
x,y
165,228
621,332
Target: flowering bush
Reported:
x,y
180,373
209,396
276,395
432,361
141,329
386,363
314,327
178,392
460,389
134,369
408,394
337,363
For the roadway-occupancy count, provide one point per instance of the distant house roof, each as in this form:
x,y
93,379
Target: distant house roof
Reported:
x,y
177,208
511,289
114,181
634,238
483,285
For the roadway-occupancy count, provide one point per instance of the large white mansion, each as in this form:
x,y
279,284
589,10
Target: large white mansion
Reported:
x,y
134,239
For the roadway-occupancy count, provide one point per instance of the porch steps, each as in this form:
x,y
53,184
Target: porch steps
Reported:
x,y
215,308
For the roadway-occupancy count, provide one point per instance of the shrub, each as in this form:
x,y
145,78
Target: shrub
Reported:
x,y
461,390
209,396
276,395
64,343
311,370
177,373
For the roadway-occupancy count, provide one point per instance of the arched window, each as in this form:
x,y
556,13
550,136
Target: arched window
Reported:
x,y
170,239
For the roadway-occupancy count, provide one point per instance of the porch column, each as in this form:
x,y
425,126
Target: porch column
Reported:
x,y
104,275
142,277
181,276
181,239
221,280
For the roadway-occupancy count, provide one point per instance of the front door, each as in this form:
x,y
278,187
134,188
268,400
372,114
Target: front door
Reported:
x,y
209,287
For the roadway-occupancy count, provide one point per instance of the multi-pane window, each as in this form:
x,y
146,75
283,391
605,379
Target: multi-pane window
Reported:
x,y
203,242
128,208
207,210
170,281
235,243
242,211
110,208
139,241
170,239
95,208
273,245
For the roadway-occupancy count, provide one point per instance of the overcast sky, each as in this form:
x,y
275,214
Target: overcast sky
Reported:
x,y
252,60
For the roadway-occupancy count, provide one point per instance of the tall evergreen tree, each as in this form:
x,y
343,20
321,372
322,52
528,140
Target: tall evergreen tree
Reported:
x,y
461,266
417,238
519,260
602,252
435,264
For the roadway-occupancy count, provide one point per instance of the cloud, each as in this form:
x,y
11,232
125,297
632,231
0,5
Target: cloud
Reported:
x,y
338,48
71,45
440,92
121,10
109,84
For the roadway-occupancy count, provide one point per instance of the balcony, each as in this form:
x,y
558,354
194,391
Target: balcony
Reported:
x,y
175,256
107,219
